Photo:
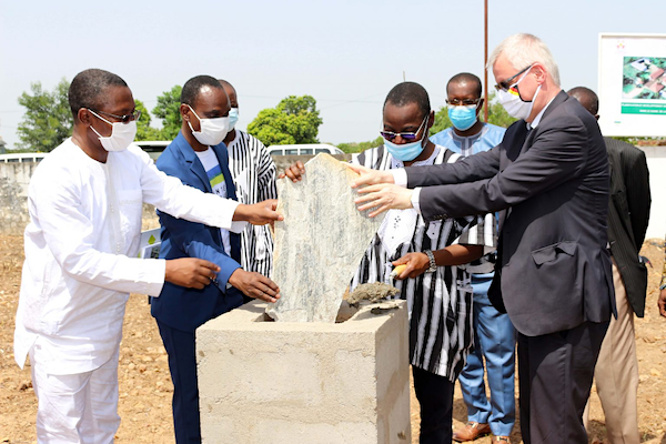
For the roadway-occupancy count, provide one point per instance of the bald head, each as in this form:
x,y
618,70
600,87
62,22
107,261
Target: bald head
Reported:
x,y
587,98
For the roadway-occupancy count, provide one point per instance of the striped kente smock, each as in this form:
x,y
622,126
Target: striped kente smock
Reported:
x,y
253,172
439,303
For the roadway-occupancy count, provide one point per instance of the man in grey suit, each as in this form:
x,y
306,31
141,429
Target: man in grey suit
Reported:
x,y
549,176
616,372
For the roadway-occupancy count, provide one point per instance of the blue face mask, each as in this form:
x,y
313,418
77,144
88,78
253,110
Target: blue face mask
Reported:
x,y
233,118
405,152
462,117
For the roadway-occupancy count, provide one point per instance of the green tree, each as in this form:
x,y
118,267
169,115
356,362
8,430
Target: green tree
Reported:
x,y
168,109
294,120
442,121
357,147
143,129
47,120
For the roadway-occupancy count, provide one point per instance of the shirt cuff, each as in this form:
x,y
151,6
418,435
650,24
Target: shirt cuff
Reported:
x,y
416,195
154,272
238,226
400,177
226,213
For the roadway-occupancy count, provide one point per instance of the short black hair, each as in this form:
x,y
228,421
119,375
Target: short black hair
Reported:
x,y
193,86
466,77
586,97
409,92
88,86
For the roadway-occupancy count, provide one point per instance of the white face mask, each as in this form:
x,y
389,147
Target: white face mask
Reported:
x,y
513,103
213,131
122,134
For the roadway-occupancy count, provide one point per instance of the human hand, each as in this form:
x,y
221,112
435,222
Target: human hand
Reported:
x,y
369,176
190,272
255,285
294,172
415,265
258,214
383,197
661,302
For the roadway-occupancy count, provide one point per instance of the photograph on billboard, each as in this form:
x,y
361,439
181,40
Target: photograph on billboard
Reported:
x,y
632,85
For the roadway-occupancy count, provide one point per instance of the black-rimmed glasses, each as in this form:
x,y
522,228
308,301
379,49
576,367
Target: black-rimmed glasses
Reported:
x,y
463,102
504,85
126,118
390,135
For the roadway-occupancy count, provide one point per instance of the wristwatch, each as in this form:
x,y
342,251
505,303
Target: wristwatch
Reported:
x,y
431,258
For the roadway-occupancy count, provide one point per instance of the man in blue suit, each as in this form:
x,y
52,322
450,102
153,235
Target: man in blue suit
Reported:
x,y
198,158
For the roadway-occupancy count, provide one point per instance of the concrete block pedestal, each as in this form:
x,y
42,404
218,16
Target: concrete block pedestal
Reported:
x,y
304,383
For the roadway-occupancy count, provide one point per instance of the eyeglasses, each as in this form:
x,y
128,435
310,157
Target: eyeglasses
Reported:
x,y
463,102
390,135
504,85
126,118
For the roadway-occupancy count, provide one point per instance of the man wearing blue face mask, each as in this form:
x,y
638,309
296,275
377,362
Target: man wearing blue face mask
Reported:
x,y
438,294
494,336
469,135
199,158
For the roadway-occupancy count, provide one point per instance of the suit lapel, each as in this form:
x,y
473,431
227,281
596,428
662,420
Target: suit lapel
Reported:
x,y
198,170
560,98
223,158
193,162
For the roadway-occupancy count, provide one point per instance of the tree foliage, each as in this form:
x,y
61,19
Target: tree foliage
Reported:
x,y
47,120
497,115
294,120
143,129
442,121
357,147
168,109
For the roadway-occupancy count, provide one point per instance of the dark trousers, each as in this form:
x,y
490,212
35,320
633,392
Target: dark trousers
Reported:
x,y
180,346
435,395
555,377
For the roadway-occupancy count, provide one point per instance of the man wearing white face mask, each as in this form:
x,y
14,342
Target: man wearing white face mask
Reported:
x,y
198,158
549,176
253,171
85,202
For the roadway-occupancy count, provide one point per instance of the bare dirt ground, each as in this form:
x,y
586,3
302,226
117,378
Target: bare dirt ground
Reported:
x,y
145,386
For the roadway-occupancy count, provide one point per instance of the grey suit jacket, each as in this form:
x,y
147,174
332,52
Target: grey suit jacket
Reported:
x,y
552,183
628,215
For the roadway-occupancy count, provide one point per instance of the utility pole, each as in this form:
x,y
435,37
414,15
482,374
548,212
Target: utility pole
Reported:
x,y
485,62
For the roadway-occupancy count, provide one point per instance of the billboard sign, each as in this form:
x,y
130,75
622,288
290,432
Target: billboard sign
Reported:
x,y
632,84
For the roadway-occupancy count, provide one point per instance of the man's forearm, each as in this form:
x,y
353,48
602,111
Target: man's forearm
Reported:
x,y
458,254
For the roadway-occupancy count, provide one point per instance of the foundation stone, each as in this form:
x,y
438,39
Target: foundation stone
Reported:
x,y
315,383
320,243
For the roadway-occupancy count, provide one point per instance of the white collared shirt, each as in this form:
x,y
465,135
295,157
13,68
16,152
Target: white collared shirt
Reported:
x,y
81,250
539,116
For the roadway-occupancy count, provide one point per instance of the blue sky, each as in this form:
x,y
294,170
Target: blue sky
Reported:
x,y
346,54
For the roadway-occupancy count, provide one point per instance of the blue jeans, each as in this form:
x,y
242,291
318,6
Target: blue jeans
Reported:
x,y
494,340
